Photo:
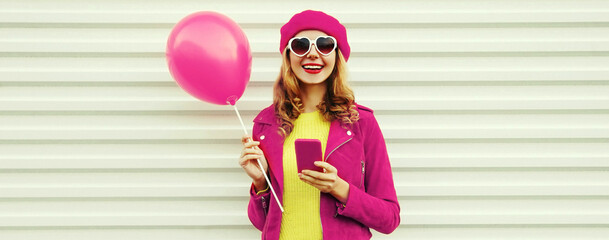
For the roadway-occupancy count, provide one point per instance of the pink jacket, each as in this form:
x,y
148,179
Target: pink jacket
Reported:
x,y
360,155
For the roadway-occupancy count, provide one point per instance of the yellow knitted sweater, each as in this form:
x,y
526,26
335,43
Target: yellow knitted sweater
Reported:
x,y
301,219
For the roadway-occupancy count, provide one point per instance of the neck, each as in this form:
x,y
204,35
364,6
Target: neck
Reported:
x,y
312,95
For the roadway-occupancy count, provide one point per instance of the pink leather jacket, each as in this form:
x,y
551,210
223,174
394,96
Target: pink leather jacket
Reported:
x,y
360,155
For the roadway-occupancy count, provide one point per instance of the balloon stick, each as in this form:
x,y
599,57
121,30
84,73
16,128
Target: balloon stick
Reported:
x,y
259,163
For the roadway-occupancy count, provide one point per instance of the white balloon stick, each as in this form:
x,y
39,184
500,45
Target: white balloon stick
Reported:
x,y
259,163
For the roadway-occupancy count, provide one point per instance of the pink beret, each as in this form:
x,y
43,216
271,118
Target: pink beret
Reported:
x,y
315,20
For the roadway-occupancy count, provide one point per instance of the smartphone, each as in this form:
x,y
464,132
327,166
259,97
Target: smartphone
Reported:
x,y
307,152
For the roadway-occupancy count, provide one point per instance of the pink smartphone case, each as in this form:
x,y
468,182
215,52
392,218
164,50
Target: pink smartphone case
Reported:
x,y
307,152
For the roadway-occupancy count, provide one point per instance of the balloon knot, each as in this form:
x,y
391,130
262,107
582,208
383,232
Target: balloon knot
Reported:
x,y
232,100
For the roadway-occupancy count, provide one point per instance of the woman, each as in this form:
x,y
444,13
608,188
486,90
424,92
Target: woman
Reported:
x,y
312,100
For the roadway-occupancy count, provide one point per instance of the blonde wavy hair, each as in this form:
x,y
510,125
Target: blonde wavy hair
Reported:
x,y
338,102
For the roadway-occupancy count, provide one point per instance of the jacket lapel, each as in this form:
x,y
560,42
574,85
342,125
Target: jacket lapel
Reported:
x,y
338,135
274,150
272,144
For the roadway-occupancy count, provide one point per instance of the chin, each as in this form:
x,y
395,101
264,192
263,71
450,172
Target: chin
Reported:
x,y
312,82
312,79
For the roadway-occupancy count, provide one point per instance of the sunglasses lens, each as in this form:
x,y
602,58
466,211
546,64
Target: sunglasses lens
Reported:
x,y
325,45
300,46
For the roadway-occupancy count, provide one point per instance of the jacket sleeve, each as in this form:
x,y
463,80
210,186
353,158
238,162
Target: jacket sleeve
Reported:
x,y
258,208
377,207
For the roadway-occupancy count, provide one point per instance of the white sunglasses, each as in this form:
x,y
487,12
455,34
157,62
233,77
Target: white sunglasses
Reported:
x,y
300,46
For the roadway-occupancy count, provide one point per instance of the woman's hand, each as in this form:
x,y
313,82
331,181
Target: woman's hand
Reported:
x,y
248,161
327,182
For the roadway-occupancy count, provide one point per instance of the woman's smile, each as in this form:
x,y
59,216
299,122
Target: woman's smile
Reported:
x,y
312,68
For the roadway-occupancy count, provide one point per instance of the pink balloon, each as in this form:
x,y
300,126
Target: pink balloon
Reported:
x,y
209,56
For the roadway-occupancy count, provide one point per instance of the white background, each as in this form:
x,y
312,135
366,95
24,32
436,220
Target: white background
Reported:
x,y
496,115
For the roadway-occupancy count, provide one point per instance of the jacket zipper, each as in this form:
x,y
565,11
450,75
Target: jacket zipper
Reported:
x,y
264,206
337,148
361,182
326,159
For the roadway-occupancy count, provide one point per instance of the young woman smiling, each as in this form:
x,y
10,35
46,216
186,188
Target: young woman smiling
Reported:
x,y
312,100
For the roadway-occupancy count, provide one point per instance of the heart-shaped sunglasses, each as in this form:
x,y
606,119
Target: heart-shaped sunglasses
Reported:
x,y
300,46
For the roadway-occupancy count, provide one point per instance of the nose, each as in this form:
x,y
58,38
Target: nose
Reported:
x,y
313,54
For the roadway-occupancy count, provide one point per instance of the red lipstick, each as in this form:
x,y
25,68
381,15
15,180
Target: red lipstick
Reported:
x,y
312,68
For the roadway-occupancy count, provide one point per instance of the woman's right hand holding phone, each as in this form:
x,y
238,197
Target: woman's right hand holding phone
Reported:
x,y
248,161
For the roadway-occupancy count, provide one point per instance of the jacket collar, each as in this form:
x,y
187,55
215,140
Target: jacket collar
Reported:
x,y
267,116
